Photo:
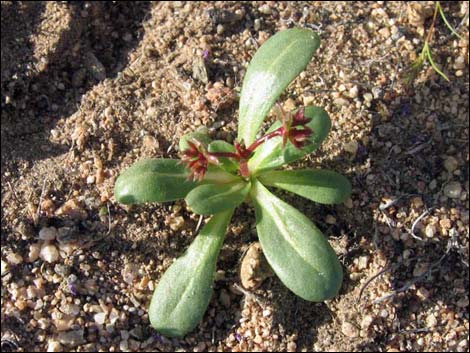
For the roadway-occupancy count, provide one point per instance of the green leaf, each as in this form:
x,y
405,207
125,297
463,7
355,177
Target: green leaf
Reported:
x,y
211,198
272,154
185,289
226,164
323,186
160,180
295,248
276,63
201,134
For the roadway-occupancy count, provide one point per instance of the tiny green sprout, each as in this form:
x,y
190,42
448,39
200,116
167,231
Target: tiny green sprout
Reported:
x,y
215,177
425,54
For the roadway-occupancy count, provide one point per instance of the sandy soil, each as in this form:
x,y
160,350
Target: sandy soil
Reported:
x,y
89,88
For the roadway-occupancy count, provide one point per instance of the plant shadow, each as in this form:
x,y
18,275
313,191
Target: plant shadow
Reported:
x,y
36,92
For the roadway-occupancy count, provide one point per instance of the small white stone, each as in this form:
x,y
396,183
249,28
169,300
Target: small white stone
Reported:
x,y
308,100
366,322
363,262
49,253
265,9
368,97
176,223
124,346
48,233
14,258
341,102
459,63
257,24
4,269
430,230
54,346
453,190
349,330
353,92
431,321
33,253
100,318
451,164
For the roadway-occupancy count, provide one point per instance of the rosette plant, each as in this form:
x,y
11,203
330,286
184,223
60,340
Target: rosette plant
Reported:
x,y
215,177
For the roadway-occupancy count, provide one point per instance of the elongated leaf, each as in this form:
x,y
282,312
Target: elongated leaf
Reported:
x,y
211,198
276,63
160,180
272,154
201,134
295,248
323,186
226,164
185,289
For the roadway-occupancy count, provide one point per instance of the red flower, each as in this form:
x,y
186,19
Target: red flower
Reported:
x,y
294,127
197,159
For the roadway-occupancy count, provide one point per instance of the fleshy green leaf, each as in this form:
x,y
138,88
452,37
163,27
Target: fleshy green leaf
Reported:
x,y
276,63
295,248
160,180
323,186
185,289
272,154
211,198
225,163
201,134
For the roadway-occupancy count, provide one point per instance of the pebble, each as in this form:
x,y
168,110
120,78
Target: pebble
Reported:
x,y
220,29
420,269
176,223
368,97
430,230
14,258
130,272
254,268
349,330
70,309
49,253
349,203
4,268
54,346
431,321
48,233
201,347
453,190
341,102
71,338
224,298
366,322
351,147
308,100
257,24
362,262
329,219
354,92
459,63
150,143
289,105
265,9
100,318
451,164
94,66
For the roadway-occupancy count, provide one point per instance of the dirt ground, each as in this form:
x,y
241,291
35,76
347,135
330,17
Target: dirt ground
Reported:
x,y
89,88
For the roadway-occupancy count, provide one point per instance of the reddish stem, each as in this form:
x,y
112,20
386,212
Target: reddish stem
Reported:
x,y
278,132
